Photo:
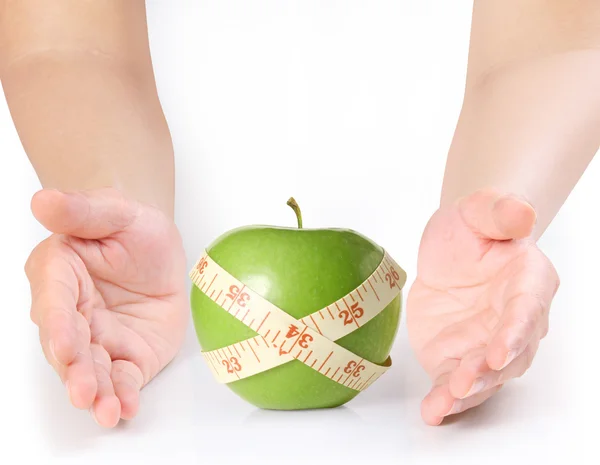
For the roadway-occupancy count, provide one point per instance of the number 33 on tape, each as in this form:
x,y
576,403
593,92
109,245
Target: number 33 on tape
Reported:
x,y
281,338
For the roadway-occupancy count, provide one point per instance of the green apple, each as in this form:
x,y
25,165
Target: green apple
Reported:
x,y
300,271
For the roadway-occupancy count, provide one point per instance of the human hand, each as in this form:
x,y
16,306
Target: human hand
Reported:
x,y
479,305
109,296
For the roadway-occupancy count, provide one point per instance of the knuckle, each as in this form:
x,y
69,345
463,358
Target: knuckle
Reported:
x,y
545,329
530,355
54,314
553,273
552,276
521,371
129,370
537,305
29,264
531,308
41,261
46,266
526,305
101,358
527,323
33,316
501,378
33,261
520,329
83,328
556,282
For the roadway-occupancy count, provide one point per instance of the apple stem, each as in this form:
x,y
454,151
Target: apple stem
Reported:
x,y
294,205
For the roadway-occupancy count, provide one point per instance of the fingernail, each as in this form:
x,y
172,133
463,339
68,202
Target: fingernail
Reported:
x,y
456,407
510,357
68,386
93,414
51,346
477,387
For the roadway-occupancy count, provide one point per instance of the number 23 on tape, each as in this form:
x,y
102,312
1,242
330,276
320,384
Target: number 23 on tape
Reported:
x,y
281,338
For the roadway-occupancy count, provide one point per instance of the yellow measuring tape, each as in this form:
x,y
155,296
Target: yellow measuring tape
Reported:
x,y
282,338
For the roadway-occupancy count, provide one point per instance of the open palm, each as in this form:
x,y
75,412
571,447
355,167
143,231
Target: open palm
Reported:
x,y
108,294
479,305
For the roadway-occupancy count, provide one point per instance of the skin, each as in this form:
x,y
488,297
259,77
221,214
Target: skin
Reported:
x,y
527,130
108,285
529,127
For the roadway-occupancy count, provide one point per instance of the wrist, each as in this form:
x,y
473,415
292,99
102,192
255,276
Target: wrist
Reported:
x,y
529,130
135,184
89,122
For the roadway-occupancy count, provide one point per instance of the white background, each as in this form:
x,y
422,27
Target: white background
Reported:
x,y
350,107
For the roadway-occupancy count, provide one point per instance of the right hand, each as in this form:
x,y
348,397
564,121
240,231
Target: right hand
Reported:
x,y
108,295
479,306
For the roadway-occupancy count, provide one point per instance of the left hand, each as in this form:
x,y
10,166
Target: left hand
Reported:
x,y
479,305
109,296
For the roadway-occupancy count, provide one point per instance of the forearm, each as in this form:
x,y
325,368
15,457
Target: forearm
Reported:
x,y
79,83
531,130
87,122
530,122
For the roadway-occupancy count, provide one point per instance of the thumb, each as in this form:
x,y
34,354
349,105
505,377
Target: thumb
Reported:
x,y
496,216
92,214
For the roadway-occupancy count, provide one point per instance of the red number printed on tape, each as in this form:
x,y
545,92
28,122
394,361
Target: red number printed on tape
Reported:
x,y
282,338
232,365
392,277
201,265
305,340
354,368
293,331
236,294
353,314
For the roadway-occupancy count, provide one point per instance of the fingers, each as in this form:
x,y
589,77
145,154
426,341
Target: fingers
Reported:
x,y
498,217
80,380
440,403
60,335
122,343
466,380
528,297
524,315
56,292
471,382
462,405
63,334
78,373
474,376
90,214
106,408
436,405
127,381
54,296
78,376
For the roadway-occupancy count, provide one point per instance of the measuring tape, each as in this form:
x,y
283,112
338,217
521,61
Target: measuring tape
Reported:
x,y
282,338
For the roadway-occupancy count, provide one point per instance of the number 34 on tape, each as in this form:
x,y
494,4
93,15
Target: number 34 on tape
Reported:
x,y
282,338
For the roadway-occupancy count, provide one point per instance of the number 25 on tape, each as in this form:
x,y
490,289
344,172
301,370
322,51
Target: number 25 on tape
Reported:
x,y
352,314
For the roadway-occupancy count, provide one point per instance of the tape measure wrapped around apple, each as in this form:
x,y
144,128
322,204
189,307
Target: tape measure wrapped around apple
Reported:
x,y
296,318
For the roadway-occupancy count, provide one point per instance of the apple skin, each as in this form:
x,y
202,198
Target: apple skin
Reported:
x,y
300,271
